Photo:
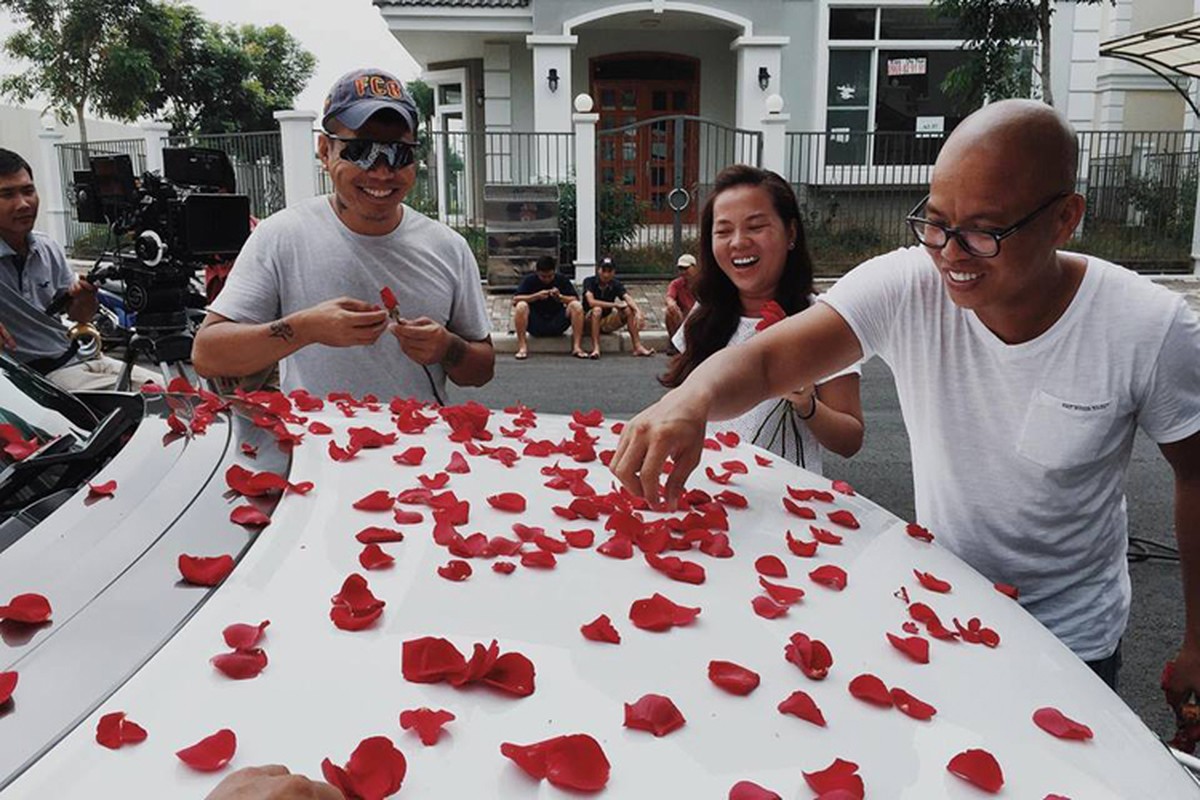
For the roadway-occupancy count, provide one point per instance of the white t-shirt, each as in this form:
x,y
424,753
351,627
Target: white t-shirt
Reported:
x,y
772,424
1019,452
304,255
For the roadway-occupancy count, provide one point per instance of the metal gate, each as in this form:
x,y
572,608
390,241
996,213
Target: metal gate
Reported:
x,y
653,177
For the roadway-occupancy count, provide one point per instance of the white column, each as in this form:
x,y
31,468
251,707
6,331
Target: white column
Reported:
x,y
49,177
1196,237
774,129
585,187
299,167
755,53
156,134
551,108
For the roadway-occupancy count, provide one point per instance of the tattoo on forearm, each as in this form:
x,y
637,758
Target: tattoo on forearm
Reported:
x,y
455,352
282,330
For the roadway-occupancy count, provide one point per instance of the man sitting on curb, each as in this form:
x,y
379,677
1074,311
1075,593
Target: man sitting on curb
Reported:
x,y
679,294
609,308
546,304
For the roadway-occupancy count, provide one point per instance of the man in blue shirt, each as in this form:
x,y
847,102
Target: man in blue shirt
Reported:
x,y
609,308
546,304
33,269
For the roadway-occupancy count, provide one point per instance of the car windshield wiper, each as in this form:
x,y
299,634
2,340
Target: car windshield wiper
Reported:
x,y
65,451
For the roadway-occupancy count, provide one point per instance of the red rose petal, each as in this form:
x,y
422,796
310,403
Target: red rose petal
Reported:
x,y
810,655
762,461
412,457
910,628
1055,723
241,664
434,482
657,613
317,428
771,566
799,704
507,501
375,535
430,660
838,780
8,682
601,630
907,704
205,570
917,532
376,770
722,478
373,557
787,595
455,570
210,753
584,537
30,608
249,516
677,568
844,518
403,517
748,790
732,677
355,608
767,608
589,419
379,500
512,673
539,559
654,713
570,762
870,689
801,548
915,647
458,464
843,487
808,495
979,768
241,636
932,582
426,722
1007,590
338,453
114,730
106,489
829,575
803,512
823,536
731,499
504,567
729,438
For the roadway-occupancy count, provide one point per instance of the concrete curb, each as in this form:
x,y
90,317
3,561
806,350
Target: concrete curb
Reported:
x,y
506,343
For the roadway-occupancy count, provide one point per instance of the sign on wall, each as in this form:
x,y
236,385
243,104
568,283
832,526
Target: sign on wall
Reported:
x,y
906,66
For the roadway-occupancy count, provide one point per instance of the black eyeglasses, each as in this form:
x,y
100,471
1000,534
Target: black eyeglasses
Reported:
x,y
363,153
977,242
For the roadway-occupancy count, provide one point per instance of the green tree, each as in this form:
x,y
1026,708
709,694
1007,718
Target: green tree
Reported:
x,y
222,79
1000,34
80,56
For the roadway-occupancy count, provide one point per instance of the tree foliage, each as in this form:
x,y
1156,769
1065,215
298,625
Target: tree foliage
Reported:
x,y
127,59
81,56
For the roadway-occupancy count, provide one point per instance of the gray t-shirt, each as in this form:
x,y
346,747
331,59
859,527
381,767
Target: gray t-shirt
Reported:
x,y
305,255
25,293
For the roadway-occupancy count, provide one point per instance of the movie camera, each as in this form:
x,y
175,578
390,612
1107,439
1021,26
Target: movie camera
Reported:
x,y
178,222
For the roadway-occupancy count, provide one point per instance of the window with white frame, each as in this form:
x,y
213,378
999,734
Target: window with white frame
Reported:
x,y
884,102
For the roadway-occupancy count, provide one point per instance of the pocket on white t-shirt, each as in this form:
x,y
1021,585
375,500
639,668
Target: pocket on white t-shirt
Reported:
x,y
1061,434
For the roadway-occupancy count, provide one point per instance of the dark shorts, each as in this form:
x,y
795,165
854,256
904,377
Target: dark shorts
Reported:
x,y
550,325
1108,668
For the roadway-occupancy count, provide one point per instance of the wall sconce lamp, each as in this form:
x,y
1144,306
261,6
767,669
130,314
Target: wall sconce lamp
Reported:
x,y
552,79
764,78
479,97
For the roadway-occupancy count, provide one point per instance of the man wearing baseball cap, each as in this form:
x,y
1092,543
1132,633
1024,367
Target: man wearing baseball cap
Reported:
x,y
680,299
305,289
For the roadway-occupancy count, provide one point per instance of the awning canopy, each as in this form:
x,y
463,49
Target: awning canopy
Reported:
x,y
1169,51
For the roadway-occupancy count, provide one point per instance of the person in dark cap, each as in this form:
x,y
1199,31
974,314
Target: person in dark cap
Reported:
x,y
305,290
609,308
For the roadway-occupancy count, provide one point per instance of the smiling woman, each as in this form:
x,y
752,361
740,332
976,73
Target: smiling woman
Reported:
x,y
754,271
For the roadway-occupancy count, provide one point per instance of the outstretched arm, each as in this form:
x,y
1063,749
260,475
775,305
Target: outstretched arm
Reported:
x,y
727,384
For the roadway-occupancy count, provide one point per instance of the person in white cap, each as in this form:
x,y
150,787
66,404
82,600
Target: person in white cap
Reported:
x,y
680,299
305,289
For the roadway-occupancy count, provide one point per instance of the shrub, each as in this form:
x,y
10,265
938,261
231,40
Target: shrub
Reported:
x,y
619,215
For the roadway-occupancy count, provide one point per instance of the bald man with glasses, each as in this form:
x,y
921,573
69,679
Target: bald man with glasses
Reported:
x,y
306,288
1022,370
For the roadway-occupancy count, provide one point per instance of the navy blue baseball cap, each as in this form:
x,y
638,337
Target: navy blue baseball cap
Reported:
x,y
358,95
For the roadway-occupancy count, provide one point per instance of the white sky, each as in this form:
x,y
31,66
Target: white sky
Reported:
x,y
343,34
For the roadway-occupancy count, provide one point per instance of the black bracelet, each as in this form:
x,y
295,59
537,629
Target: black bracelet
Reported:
x,y
812,410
